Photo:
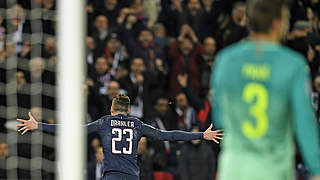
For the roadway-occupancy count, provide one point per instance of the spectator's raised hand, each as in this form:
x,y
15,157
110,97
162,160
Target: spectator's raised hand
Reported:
x,y
193,35
131,20
124,11
184,31
177,4
212,135
183,80
28,125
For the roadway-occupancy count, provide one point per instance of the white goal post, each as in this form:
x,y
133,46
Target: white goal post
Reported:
x,y
71,73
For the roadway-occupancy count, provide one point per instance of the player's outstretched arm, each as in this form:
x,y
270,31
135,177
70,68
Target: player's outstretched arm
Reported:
x,y
177,135
33,124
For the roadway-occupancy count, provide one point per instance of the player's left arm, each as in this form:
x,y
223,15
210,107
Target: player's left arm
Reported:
x,y
177,135
305,123
33,124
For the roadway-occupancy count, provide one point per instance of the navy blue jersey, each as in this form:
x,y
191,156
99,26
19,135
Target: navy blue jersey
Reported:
x,y
120,136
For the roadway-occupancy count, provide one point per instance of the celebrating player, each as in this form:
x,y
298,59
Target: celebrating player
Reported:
x,y
261,97
120,135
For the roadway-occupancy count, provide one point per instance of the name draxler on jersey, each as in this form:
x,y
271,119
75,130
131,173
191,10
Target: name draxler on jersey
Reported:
x,y
122,123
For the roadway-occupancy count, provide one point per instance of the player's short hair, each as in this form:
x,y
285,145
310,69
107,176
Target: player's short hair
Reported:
x,y
121,103
261,13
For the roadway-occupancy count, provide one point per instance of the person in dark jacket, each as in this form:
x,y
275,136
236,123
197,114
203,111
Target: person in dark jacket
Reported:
x,y
196,161
183,59
95,169
145,160
138,85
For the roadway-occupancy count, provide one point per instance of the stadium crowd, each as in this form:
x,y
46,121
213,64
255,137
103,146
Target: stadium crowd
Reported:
x,y
158,52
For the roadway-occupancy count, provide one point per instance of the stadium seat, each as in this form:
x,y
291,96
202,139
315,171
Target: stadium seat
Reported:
x,y
160,175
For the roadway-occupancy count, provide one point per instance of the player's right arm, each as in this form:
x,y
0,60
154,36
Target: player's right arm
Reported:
x,y
33,124
305,124
177,135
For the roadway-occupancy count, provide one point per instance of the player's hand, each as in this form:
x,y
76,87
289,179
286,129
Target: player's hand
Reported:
x,y
212,135
27,125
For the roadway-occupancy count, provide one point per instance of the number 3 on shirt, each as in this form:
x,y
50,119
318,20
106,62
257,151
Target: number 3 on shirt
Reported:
x,y
119,132
254,92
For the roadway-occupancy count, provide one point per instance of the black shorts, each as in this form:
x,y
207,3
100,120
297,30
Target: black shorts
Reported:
x,y
114,175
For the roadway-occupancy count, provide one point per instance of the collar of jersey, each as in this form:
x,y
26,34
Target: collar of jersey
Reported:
x,y
271,45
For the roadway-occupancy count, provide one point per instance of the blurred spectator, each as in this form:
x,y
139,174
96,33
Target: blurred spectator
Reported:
x,y
202,106
90,51
112,91
212,9
49,48
183,55
196,161
140,85
316,96
236,29
41,81
313,19
143,47
95,169
195,17
3,160
116,52
165,119
298,11
100,32
160,40
297,37
144,160
96,105
136,84
23,91
206,64
109,9
303,40
38,73
94,143
171,11
101,75
187,115
162,115
17,26
48,21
